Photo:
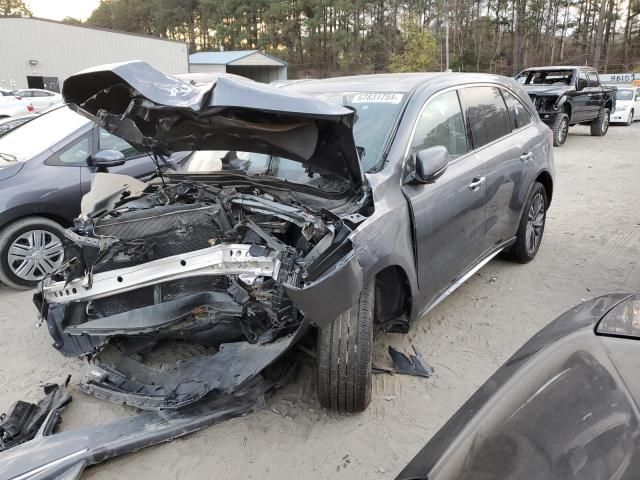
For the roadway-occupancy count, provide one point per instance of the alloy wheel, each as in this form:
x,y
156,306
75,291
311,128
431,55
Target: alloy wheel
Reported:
x,y
563,131
35,254
535,223
605,124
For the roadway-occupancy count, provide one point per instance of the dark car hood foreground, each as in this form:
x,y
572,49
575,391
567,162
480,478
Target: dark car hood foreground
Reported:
x,y
563,407
153,111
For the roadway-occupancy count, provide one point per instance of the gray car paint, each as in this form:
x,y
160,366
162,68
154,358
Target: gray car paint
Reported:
x,y
452,234
445,226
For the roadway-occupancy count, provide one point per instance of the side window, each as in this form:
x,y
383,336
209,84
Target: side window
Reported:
x,y
593,79
637,94
518,114
486,114
582,80
108,141
77,153
39,94
441,123
25,94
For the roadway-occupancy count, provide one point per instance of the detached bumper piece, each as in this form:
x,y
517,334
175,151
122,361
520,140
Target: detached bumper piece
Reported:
x,y
67,454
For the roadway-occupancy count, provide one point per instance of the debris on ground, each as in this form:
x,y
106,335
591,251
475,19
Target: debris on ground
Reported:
x,y
414,364
24,420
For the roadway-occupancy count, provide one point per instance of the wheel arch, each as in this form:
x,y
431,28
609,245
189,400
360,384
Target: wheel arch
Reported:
x,y
544,177
394,298
49,216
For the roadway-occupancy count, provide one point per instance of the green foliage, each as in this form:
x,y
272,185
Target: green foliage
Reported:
x,y
71,21
419,52
14,7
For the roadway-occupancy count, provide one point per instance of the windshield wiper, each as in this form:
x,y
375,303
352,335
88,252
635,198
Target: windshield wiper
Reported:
x,y
7,157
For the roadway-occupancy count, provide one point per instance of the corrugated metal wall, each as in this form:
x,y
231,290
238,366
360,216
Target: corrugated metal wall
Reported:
x,y
259,74
62,50
207,68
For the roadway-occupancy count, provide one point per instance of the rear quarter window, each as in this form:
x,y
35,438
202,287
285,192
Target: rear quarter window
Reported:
x,y
486,114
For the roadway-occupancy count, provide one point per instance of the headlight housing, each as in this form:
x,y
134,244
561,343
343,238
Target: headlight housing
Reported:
x,y
623,320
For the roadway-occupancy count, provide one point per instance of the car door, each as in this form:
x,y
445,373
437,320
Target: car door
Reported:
x,y
596,95
137,164
580,104
448,212
510,162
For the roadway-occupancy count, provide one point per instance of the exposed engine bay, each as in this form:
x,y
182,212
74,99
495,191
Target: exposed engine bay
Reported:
x,y
204,275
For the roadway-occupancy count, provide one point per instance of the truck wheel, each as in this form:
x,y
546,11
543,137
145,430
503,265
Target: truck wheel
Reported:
x,y
600,125
344,357
30,249
560,129
531,227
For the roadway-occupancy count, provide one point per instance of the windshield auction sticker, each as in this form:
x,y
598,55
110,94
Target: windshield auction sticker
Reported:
x,y
377,98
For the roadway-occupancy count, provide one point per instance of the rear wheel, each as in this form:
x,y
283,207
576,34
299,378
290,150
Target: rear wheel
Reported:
x,y
344,357
560,129
531,227
600,125
30,249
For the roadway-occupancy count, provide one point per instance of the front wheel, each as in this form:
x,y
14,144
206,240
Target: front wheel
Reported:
x,y
30,249
344,357
600,125
630,119
560,129
531,227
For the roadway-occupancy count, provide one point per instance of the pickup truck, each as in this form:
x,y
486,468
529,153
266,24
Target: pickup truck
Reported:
x,y
565,96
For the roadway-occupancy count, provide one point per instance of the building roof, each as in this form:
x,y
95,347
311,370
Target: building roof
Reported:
x,y
88,27
234,57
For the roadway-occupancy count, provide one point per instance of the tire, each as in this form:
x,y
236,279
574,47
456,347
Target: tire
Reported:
x,y
23,237
600,126
560,129
630,120
521,250
344,357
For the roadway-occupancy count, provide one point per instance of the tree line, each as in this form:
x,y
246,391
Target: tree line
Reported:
x,y
331,37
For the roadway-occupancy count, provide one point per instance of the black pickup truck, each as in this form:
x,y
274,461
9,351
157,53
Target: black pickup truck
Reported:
x,y
567,96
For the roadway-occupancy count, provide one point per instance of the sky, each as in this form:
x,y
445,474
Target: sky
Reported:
x,y
58,9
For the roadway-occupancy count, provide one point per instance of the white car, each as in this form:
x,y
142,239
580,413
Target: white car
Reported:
x,y
12,105
627,105
40,99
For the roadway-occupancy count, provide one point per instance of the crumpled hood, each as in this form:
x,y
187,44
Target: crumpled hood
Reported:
x,y
153,111
548,90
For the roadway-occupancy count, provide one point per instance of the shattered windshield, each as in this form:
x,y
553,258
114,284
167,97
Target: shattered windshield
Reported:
x,y
376,113
546,77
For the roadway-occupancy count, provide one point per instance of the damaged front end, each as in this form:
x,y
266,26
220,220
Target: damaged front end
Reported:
x,y
202,274
191,285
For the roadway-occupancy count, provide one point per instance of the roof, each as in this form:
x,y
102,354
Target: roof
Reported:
x,y
119,32
228,58
390,82
560,67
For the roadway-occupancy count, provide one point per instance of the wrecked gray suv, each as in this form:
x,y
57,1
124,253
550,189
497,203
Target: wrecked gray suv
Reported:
x,y
343,206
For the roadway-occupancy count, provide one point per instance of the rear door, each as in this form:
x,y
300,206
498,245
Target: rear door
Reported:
x,y
510,164
137,164
595,95
448,213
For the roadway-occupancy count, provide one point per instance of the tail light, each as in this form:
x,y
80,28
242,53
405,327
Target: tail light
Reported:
x,y
18,98
30,108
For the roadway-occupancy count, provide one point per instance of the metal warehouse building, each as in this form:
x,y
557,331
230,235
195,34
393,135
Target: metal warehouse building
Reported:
x,y
39,53
253,64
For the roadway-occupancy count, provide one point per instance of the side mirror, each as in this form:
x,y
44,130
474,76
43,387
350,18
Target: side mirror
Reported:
x,y
582,84
430,164
105,159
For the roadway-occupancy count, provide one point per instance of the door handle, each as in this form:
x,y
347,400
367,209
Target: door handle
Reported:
x,y
477,183
526,156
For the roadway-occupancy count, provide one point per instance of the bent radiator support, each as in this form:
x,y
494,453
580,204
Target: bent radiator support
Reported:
x,y
224,259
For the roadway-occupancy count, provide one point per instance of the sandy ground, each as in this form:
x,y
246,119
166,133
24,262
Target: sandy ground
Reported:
x,y
591,247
